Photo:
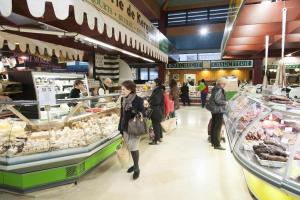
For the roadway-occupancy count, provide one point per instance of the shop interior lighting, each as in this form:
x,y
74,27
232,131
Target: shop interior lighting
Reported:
x,y
203,31
77,37
102,44
266,2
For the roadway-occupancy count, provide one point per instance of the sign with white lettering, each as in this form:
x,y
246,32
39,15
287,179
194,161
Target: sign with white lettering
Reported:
x,y
124,12
231,64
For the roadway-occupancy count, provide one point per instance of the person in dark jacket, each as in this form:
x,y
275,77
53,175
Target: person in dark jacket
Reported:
x,y
131,105
217,106
174,96
185,97
156,102
77,90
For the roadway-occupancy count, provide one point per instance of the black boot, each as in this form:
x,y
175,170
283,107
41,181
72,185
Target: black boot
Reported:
x,y
136,169
131,169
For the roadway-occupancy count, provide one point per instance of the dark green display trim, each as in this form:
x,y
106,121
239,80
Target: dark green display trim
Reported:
x,y
66,174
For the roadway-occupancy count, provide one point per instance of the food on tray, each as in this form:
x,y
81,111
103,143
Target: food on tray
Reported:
x,y
271,151
78,134
280,99
255,136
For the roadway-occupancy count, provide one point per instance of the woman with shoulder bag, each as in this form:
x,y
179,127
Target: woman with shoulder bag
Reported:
x,y
131,106
217,106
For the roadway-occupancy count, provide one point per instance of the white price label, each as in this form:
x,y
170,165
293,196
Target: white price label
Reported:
x,y
46,96
288,129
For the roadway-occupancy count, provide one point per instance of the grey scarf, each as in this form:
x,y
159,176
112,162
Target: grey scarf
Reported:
x,y
127,101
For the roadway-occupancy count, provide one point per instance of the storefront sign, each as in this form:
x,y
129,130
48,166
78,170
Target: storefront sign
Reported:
x,y
232,64
186,65
129,16
288,66
212,64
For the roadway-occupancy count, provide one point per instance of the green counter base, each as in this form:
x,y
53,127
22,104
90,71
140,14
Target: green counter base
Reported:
x,y
262,190
36,180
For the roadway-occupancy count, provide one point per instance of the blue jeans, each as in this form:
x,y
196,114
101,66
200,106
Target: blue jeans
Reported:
x,y
203,99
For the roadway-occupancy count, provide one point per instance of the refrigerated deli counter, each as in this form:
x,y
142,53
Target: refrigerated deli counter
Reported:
x,y
265,141
42,153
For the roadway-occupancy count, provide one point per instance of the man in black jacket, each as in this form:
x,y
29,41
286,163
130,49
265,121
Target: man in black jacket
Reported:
x,y
156,102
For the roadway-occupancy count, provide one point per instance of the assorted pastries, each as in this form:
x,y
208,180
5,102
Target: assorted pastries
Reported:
x,y
14,140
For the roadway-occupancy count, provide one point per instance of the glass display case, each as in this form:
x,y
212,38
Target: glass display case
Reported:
x,y
242,112
86,135
266,142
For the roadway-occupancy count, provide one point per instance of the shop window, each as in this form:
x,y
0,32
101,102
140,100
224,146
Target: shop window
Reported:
x,y
153,73
144,74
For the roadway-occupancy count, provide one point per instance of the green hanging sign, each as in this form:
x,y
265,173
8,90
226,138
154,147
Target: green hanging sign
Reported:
x,y
231,64
186,65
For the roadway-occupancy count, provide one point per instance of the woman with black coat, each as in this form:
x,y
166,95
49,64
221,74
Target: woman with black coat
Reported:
x,y
185,96
131,105
156,102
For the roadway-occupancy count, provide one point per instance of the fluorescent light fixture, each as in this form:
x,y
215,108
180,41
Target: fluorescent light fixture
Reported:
x,y
102,44
265,2
91,40
203,31
24,57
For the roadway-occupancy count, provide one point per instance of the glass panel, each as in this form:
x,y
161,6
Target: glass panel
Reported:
x,y
268,143
88,124
153,73
144,74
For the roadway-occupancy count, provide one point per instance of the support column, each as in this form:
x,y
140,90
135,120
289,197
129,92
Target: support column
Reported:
x,y
162,72
163,29
257,73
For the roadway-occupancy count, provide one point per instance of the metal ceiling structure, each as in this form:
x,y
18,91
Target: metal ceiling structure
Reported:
x,y
254,21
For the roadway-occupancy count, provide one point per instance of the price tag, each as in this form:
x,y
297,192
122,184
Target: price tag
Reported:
x,y
46,96
288,129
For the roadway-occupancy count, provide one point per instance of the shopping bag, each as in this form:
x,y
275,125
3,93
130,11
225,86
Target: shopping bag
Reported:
x,y
123,155
168,125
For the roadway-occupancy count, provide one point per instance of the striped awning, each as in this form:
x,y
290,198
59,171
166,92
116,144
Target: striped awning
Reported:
x,y
81,8
37,46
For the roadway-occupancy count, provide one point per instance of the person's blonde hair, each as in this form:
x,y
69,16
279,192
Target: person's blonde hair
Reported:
x,y
221,80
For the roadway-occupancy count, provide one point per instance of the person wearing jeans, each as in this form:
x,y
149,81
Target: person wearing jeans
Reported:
x,y
217,106
204,91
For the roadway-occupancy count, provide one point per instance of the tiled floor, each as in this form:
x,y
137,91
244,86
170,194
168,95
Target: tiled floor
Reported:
x,y
183,167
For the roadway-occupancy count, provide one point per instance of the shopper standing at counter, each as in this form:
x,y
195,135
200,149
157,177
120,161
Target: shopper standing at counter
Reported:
x,y
77,90
185,97
156,102
217,106
131,105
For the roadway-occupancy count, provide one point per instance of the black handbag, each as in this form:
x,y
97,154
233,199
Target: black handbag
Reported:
x,y
137,126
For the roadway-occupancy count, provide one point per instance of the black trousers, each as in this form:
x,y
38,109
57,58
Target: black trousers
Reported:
x,y
216,126
186,99
157,129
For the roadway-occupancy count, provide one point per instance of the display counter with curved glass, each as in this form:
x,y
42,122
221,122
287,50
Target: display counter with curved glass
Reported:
x,y
266,143
71,139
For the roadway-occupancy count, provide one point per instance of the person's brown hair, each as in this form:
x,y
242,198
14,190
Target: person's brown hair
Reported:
x,y
78,82
129,85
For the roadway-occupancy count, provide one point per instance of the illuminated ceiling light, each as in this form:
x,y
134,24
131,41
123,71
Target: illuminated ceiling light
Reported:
x,y
289,55
265,2
102,44
203,31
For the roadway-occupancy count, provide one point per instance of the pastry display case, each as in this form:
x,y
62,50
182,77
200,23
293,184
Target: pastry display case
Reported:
x,y
62,146
266,142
